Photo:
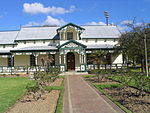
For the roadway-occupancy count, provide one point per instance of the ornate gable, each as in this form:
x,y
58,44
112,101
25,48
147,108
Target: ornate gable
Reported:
x,y
72,44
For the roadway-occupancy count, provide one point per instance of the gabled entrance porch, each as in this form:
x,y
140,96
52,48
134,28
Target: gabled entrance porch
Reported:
x,y
72,56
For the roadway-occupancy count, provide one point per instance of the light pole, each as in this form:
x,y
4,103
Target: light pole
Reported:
x,y
106,16
146,61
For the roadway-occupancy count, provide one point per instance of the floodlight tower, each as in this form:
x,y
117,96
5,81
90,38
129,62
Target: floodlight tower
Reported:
x,y
106,14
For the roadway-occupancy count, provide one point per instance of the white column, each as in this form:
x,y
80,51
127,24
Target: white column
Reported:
x,y
79,58
36,60
64,59
84,59
59,59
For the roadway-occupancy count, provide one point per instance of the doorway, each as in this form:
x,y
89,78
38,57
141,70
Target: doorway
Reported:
x,y
70,61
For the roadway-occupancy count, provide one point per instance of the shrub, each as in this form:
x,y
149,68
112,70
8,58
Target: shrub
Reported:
x,y
101,73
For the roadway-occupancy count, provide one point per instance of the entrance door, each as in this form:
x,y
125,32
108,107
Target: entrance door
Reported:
x,y
70,61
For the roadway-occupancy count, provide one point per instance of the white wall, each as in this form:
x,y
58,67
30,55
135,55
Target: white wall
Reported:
x,y
100,41
77,62
118,59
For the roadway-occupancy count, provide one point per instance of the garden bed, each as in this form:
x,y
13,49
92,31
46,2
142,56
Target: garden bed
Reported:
x,y
93,79
127,98
47,103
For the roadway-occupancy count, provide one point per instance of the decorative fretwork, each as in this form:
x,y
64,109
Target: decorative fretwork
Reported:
x,y
71,45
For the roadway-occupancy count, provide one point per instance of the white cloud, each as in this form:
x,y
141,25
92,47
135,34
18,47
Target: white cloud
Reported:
x,y
53,21
49,21
95,23
36,8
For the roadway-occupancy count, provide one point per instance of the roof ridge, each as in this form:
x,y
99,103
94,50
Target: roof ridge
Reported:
x,y
100,25
38,26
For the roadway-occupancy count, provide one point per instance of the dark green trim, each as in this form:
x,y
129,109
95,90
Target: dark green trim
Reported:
x,y
99,48
70,24
18,51
5,53
99,38
72,48
9,44
35,40
72,41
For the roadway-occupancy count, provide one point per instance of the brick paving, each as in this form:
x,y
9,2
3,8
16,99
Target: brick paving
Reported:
x,y
80,97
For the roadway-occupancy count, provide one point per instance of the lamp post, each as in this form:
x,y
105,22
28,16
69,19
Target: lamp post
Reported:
x,y
146,61
106,16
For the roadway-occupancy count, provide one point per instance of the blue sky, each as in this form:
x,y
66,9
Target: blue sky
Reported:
x,y
16,13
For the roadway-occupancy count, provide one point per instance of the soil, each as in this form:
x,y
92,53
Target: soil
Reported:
x,y
57,82
15,75
46,105
128,96
103,81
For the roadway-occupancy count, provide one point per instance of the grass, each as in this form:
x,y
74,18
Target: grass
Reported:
x,y
101,89
88,76
60,100
49,88
134,81
11,89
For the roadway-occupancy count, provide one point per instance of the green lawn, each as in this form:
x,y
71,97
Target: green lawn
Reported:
x,y
136,81
11,89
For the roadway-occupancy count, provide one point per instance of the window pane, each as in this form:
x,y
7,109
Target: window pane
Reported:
x,y
32,60
69,35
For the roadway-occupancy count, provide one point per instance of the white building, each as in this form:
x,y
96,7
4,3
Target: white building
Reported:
x,y
69,46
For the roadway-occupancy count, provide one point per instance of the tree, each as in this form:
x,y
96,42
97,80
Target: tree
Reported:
x,y
132,43
47,62
97,56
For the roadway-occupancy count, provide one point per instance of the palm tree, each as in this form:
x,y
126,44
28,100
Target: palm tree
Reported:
x,y
97,56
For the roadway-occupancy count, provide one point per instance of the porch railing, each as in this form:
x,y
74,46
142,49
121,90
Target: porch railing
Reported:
x,y
28,69
106,66
23,69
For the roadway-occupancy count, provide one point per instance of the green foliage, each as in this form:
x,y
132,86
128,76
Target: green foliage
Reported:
x,y
137,80
132,43
49,88
33,87
98,57
106,85
53,71
42,80
88,76
101,73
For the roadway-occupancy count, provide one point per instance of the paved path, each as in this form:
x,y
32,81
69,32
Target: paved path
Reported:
x,y
80,97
